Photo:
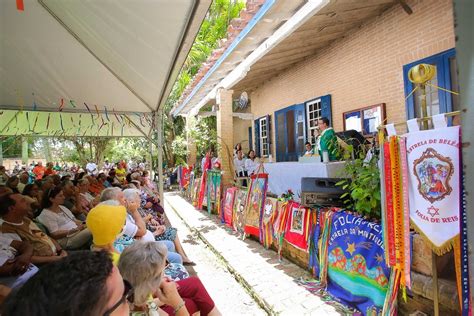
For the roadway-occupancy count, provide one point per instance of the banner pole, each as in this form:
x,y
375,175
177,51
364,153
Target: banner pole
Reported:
x,y
435,284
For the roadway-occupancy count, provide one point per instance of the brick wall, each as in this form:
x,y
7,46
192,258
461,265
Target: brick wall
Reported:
x,y
241,131
365,67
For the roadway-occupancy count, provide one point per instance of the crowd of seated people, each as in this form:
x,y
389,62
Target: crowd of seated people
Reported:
x,y
53,225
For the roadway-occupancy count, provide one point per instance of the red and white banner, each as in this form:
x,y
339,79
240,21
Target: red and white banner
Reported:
x,y
434,184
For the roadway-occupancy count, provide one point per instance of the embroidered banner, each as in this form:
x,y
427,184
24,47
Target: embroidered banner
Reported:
x,y
297,229
255,198
213,190
357,273
434,185
269,214
228,206
239,208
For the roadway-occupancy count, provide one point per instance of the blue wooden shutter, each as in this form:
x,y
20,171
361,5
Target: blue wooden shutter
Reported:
x,y
326,108
250,138
269,135
257,137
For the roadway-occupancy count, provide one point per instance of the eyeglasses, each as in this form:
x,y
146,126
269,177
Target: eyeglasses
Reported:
x,y
127,296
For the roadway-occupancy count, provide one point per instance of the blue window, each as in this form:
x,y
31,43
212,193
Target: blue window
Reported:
x,y
438,101
296,124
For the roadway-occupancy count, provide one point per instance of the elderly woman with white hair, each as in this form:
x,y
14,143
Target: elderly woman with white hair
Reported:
x,y
143,265
161,232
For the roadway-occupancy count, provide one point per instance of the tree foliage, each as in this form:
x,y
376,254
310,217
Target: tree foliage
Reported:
x,y
213,29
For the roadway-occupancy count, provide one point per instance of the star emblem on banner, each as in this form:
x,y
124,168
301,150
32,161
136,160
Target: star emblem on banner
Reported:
x,y
351,248
379,258
433,211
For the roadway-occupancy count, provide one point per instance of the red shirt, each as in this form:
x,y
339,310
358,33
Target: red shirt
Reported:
x,y
39,172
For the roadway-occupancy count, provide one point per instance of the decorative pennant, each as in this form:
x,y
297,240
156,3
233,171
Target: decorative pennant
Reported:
x,y
116,116
89,110
61,105
434,185
47,122
61,121
20,5
106,113
97,110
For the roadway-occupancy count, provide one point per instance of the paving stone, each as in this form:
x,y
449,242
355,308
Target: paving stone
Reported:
x,y
270,279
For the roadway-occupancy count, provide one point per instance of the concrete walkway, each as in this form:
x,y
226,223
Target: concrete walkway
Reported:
x,y
269,281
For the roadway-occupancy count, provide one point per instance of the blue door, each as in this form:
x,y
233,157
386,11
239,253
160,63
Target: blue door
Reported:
x,y
290,132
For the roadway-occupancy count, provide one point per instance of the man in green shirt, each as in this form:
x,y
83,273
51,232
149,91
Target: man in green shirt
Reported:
x,y
327,141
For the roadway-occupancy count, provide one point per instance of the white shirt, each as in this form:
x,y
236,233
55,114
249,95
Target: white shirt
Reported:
x,y
251,165
239,165
7,252
63,220
130,229
91,167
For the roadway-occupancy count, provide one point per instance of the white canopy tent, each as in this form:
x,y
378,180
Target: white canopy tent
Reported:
x,y
91,68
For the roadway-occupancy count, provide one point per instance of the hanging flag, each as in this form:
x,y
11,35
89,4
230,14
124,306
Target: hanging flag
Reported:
x,y
61,121
61,105
96,110
28,121
20,5
118,120
47,122
434,185
89,110
106,114
36,121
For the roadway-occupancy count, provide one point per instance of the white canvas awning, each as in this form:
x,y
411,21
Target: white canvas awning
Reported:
x,y
92,57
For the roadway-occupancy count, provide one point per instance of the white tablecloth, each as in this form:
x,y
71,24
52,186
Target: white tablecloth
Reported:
x,y
287,175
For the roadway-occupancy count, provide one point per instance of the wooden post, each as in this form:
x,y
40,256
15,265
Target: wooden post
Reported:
x,y
435,284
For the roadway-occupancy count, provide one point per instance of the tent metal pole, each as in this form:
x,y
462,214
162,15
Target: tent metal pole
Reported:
x,y
159,138
24,150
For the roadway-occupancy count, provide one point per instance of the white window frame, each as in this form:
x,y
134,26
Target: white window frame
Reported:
x,y
316,118
262,134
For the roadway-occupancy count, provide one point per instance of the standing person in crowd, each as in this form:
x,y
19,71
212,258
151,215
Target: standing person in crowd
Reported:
x,y
49,169
143,265
85,283
69,232
107,166
14,209
24,177
16,168
57,167
91,167
251,163
39,170
12,183
15,260
121,171
3,175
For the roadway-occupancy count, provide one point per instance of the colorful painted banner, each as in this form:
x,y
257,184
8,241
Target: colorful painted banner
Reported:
x,y
254,205
228,206
213,191
434,185
268,216
357,274
238,216
297,226
203,186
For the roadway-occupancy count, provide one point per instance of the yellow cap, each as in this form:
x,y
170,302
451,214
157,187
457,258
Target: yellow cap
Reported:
x,y
105,223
